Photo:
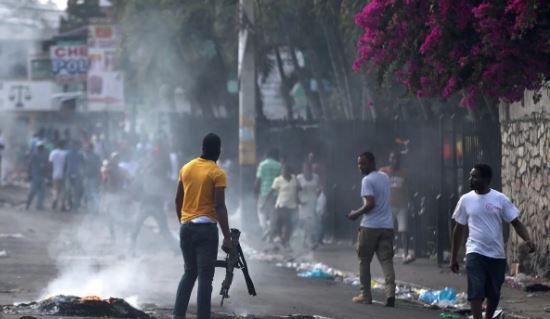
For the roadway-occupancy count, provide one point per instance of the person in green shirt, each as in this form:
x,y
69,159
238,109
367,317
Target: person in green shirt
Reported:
x,y
267,171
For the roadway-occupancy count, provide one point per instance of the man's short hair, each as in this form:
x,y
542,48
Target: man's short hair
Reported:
x,y
211,144
369,156
484,170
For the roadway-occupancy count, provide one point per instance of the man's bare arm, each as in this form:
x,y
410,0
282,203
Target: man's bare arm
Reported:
x,y
458,240
179,199
522,232
221,211
368,205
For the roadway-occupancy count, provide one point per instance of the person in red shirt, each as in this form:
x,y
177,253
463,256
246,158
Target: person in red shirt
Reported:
x,y
399,201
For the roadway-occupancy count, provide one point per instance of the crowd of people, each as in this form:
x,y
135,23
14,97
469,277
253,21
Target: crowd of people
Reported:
x,y
86,174
289,201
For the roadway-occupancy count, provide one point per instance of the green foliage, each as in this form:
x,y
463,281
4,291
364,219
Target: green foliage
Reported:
x,y
192,45
187,44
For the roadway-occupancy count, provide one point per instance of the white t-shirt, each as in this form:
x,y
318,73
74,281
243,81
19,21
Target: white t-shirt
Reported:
x,y
308,194
287,195
57,158
308,188
484,215
377,184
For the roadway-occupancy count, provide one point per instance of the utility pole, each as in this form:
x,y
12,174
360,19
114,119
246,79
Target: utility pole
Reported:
x,y
247,114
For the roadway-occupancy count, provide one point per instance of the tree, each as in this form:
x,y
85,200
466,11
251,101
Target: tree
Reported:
x,y
188,45
494,49
80,13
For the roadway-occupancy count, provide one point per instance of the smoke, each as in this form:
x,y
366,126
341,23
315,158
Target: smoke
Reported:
x,y
91,262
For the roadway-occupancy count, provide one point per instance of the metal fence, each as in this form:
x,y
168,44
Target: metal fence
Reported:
x,y
437,159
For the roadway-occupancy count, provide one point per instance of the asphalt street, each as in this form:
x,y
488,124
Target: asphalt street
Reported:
x,y
46,251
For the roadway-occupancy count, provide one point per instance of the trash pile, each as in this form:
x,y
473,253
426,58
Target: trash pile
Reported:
x,y
78,307
445,299
528,283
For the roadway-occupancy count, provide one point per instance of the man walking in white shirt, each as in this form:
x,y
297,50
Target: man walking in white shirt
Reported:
x,y
483,211
57,158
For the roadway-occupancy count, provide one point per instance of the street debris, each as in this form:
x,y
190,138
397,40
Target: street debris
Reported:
x,y
446,295
91,306
444,299
3,253
532,285
316,274
537,288
449,315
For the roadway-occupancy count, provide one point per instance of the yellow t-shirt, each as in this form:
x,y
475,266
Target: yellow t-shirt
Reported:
x,y
199,178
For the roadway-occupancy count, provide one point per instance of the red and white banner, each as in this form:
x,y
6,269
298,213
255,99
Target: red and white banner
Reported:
x,y
105,82
69,62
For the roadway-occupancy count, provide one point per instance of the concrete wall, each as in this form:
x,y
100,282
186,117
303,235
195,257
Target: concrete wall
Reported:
x,y
525,129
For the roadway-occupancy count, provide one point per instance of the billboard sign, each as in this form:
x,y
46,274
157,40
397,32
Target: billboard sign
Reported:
x,y
27,95
69,62
105,82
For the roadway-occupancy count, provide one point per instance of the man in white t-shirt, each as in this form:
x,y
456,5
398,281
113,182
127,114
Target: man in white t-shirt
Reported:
x,y
483,211
376,231
57,158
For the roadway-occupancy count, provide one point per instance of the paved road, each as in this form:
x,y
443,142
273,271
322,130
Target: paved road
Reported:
x,y
79,251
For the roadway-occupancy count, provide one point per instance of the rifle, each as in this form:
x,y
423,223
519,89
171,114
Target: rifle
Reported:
x,y
235,259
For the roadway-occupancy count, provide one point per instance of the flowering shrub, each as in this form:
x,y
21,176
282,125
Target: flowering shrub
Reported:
x,y
441,47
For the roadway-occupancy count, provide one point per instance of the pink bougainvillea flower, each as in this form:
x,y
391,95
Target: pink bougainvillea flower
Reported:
x,y
470,47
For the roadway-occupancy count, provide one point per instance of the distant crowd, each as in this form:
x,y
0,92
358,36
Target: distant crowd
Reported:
x,y
86,174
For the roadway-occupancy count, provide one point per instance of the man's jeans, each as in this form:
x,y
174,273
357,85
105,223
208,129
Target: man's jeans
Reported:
x,y
199,245
377,241
38,189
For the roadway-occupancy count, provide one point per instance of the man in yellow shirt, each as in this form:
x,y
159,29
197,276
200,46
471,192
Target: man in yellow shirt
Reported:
x,y
200,205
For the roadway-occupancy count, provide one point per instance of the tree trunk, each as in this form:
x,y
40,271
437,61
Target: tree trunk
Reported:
x,y
324,101
337,69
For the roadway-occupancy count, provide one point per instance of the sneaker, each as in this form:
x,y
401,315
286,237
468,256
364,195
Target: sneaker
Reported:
x,y
362,299
390,302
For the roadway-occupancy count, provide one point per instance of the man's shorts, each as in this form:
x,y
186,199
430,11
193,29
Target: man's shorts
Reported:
x,y
402,218
485,277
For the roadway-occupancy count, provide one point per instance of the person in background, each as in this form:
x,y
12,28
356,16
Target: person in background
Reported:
x,y
399,201
200,206
74,181
38,169
318,168
114,180
57,158
376,230
286,187
483,211
152,179
310,188
92,179
267,171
